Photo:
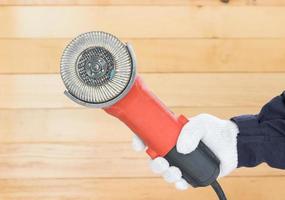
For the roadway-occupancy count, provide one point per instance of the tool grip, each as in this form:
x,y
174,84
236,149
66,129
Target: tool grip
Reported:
x,y
199,168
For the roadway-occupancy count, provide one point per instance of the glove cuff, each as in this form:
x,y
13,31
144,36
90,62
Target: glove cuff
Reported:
x,y
230,157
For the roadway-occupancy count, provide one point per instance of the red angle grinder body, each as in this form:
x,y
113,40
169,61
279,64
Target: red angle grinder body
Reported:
x,y
147,117
159,128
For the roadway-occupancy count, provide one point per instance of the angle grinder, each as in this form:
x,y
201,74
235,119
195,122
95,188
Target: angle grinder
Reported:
x,y
99,71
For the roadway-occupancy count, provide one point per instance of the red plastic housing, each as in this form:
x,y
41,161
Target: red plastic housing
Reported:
x,y
149,118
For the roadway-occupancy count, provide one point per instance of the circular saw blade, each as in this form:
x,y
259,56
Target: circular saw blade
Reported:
x,y
97,68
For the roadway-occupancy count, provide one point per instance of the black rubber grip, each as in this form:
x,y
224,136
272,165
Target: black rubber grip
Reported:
x,y
199,168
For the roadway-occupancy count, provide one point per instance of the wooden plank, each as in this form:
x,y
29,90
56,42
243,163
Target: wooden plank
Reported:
x,y
138,2
85,160
72,160
196,89
144,21
157,55
79,143
140,189
114,2
83,125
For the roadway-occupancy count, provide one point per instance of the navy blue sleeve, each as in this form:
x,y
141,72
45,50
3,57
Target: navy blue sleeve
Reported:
x,y
261,137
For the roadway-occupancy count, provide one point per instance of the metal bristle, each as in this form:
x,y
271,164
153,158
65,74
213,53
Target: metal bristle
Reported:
x,y
96,67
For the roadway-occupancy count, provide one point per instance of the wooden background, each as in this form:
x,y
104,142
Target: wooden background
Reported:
x,y
196,55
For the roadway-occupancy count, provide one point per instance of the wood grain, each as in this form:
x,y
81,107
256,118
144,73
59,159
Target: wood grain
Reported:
x,y
139,2
187,89
87,160
262,188
83,125
151,22
198,56
156,55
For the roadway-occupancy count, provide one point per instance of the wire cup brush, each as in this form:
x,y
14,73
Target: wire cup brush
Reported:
x,y
99,71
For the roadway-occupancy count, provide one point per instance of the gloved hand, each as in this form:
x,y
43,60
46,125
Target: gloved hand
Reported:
x,y
219,135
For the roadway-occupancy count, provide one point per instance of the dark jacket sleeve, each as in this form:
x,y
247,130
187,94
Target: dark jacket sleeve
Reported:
x,y
261,137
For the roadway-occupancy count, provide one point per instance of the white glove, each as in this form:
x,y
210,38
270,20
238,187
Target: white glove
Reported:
x,y
219,135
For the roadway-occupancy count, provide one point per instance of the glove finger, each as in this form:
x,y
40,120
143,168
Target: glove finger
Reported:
x,y
137,143
182,184
159,165
189,138
172,174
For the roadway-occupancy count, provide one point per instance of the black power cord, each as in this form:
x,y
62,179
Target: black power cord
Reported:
x,y
219,191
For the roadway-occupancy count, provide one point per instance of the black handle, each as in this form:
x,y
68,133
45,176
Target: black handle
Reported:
x,y
199,168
